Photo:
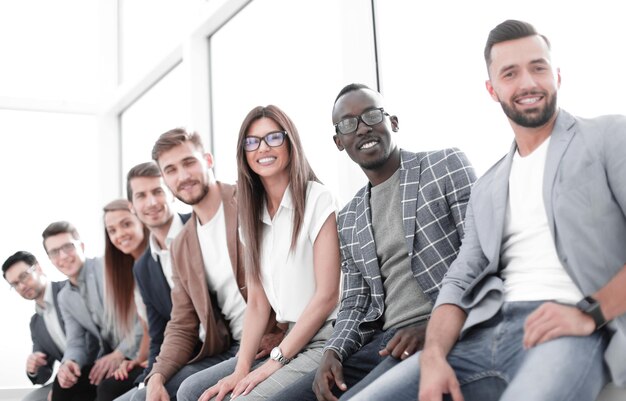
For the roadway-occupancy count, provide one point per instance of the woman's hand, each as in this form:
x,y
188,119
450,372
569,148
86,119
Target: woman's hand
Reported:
x,y
248,383
223,387
126,366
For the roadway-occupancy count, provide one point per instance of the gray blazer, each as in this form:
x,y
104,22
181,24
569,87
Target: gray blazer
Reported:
x,y
585,199
77,304
43,342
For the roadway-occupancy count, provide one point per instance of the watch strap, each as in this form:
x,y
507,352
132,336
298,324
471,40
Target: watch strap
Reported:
x,y
591,307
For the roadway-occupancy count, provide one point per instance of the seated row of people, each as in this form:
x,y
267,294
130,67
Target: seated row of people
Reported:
x,y
240,298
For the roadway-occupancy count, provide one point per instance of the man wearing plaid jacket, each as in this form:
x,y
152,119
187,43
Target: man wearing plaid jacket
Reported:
x,y
398,236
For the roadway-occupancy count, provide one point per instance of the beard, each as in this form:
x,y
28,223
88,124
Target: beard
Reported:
x,y
204,190
374,164
530,118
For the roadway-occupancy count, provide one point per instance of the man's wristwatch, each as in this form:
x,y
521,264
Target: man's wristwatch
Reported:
x,y
591,307
277,355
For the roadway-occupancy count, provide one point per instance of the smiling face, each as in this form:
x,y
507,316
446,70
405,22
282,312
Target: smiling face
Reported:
x,y
124,230
29,283
185,171
66,253
267,161
523,81
370,147
151,201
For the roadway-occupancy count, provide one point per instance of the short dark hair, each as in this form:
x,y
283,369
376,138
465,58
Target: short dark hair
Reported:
x,y
147,169
173,138
59,227
509,30
19,256
350,88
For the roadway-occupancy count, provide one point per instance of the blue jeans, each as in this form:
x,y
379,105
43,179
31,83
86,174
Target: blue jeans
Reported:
x,y
491,364
175,381
359,370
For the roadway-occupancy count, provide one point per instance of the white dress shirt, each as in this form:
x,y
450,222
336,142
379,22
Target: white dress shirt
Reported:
x,y
288,275
163,255
51,318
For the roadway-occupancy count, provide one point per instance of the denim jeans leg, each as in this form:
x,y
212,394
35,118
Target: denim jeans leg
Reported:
x,y
175,381
471,358
400,383
563,369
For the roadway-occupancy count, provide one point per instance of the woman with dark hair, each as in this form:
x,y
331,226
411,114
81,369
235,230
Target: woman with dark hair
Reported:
x,y
288,226
126,238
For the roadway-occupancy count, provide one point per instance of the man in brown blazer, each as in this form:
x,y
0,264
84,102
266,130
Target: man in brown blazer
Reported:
x,y
209,293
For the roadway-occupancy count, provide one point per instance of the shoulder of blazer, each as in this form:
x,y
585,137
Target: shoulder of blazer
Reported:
x,y
140,268
188,229
228,191
57,286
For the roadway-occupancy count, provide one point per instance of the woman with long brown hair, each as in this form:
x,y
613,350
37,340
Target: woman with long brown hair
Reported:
x,y
126,239
288,226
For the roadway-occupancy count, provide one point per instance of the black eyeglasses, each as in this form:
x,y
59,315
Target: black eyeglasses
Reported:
x,y
273,139
23,277
369,118
68,248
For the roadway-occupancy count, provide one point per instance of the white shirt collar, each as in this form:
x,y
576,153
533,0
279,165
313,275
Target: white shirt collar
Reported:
x,y
286,202
175,228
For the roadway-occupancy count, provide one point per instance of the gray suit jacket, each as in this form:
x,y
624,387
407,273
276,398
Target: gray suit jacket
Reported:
x,y
585,199
435,190
74,301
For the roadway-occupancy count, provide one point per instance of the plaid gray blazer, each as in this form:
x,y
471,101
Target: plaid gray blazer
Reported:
x,y
435,191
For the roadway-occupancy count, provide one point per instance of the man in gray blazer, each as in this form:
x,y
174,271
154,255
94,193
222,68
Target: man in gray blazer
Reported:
x,y
82,307
533,307
47,329
398,235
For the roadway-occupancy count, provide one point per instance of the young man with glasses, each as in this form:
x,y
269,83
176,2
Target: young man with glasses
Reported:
x,y
47,329
398,236
93,350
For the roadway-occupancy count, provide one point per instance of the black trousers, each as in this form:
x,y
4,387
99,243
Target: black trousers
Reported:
x,y
81,391
109,389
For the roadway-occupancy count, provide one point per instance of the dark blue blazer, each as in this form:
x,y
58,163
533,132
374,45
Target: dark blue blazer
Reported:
x,y
155,292
42,341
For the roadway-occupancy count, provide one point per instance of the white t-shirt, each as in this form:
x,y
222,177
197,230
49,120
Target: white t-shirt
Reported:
x,y
288,276
219,272
532,270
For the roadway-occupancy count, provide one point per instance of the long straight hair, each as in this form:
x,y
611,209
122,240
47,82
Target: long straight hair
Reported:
x,y
251,193
119,282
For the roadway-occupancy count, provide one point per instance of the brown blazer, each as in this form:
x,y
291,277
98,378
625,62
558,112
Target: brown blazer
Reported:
x,y
191,301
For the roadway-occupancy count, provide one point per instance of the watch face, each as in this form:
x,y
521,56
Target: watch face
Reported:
x,y
275,353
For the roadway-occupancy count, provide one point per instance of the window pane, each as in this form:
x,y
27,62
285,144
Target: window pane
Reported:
x,y
291,54
433,71
50,49
150,29
163,107
48,163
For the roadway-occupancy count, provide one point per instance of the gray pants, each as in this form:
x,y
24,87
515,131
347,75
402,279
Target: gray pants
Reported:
x,y
306,361
40,394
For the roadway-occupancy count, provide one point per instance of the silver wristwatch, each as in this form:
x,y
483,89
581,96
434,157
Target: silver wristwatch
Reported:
x,y
277,355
